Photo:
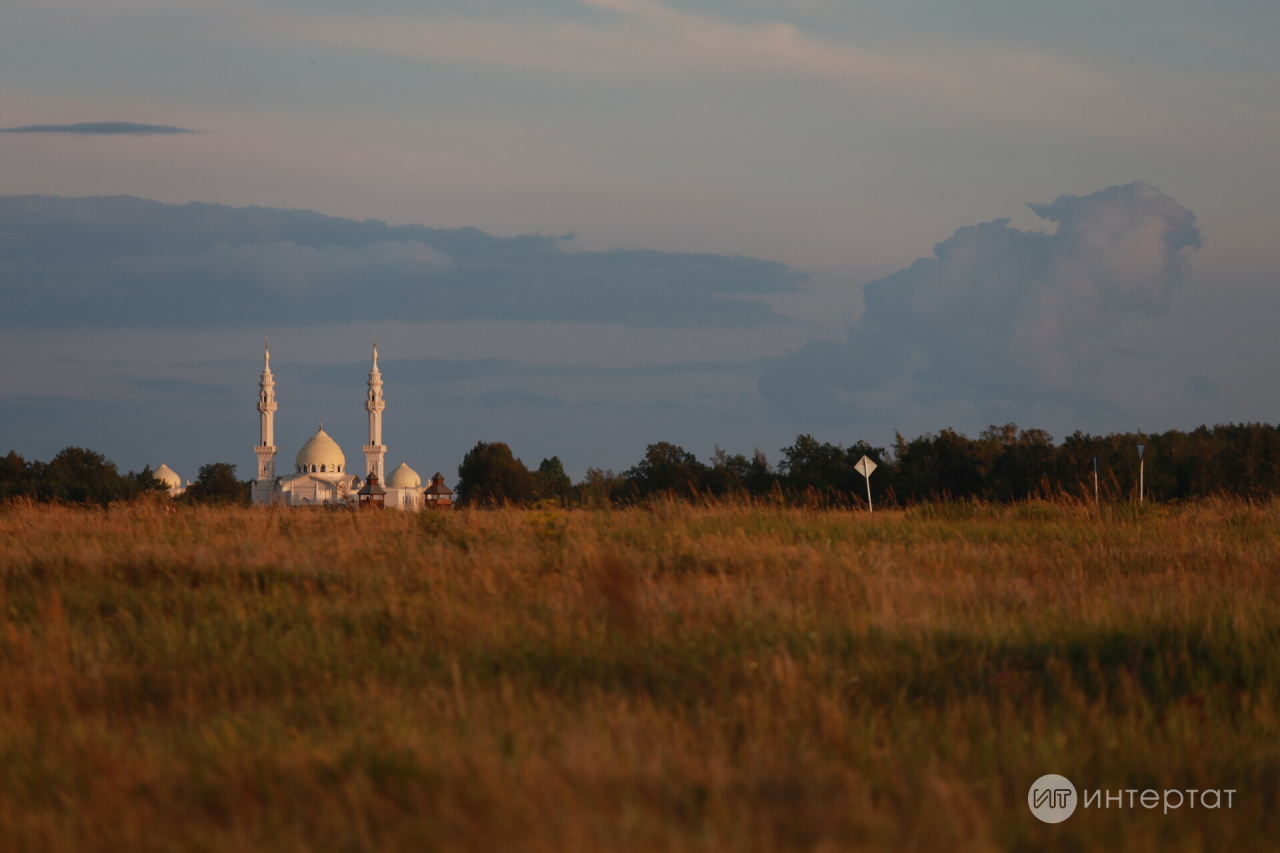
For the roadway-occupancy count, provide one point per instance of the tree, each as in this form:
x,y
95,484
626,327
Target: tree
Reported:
x,y
81,475
14,479
599,488
75,475
145,481
13,468
1023,461
810,463
550,480
667,468
736,474
944,465
217,484
490,475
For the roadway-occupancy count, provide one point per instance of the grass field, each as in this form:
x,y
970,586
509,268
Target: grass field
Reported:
x,y
668,678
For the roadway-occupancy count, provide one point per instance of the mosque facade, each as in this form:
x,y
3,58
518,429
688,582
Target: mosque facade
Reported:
x,y
320,472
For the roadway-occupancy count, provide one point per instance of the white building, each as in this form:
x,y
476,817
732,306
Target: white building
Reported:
x,y
404,488
320,474
170,478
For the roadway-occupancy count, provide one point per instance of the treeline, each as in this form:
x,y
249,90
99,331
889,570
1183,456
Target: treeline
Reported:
x,y
75,475
78,475
1004,464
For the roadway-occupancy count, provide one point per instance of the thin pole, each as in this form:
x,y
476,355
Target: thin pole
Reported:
x,y
1141,470
870,508
1096,504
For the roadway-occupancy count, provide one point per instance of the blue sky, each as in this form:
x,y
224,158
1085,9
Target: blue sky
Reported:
x,y
675,209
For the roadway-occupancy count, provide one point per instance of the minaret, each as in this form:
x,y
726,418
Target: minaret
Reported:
x,y
375,449
264,486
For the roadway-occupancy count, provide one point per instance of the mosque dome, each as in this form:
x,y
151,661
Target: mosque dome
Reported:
x,y
403,477
168,476
322,452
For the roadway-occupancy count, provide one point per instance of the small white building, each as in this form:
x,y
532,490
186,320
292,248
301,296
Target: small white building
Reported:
x,y
404,488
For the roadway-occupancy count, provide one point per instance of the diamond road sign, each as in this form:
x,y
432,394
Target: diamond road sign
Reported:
x,y
864,467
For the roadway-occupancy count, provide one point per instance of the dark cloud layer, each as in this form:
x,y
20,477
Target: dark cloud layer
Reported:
x,y
123,261
1004,319
100,128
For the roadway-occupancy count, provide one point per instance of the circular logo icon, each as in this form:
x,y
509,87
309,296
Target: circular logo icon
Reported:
x,y
1052,798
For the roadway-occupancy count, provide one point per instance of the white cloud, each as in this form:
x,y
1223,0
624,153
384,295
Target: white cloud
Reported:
x,y
999,318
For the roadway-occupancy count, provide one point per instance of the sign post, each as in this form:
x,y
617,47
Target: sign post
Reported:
x,y
1141,447
1096,505
864,467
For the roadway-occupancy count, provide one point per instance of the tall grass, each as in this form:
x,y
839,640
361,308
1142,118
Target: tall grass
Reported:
x,y
711,678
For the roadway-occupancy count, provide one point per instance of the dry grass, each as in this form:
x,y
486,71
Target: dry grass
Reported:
x,y
670,678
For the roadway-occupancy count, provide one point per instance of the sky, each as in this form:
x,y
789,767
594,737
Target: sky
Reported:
x,y
584,226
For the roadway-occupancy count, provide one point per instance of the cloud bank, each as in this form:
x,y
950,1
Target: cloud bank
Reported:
x,y
123,261
1003,319
100,128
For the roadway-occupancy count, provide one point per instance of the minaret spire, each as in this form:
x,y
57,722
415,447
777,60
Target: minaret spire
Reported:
x,y
375,450
264,486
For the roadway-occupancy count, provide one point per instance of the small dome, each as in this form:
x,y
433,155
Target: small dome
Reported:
x,y
168,476
403,477
319,450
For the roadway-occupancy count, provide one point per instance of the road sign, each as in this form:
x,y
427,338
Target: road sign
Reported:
x,y
1141,472
864,467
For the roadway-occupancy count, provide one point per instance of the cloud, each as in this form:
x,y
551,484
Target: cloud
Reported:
x,y
645,39
430,371
123,261
1002,319
100,128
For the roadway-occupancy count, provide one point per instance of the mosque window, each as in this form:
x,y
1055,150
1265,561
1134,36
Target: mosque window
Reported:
x,y
322,469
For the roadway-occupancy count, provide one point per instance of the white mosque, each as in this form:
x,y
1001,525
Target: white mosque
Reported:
x,y
320,473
